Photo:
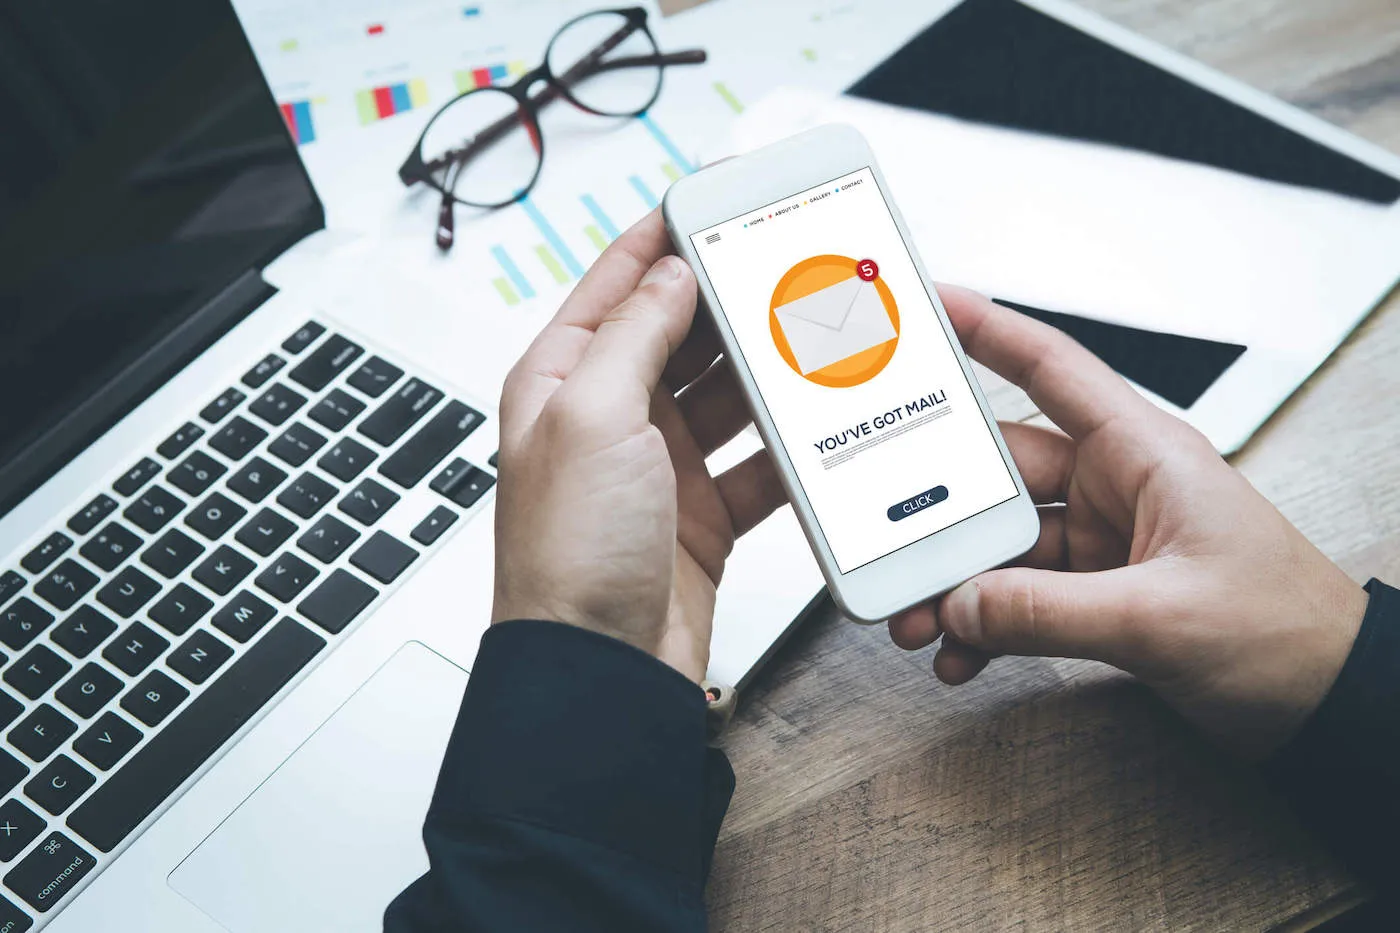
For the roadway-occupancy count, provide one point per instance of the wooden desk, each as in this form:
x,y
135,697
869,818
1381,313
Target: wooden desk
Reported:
x,y
1060,795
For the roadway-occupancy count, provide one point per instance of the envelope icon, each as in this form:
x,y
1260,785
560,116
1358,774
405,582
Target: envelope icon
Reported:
x,y
839,321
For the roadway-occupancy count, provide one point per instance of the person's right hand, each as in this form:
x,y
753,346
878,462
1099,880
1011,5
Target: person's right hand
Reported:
x,y
1154,556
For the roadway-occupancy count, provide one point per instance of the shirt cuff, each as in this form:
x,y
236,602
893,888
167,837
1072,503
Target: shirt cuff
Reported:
x,y
587,736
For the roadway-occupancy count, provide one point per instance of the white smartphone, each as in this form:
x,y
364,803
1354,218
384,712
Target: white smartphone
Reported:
x,y
887,448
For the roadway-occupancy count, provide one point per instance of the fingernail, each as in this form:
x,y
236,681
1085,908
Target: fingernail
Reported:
x,y
665,269
962,613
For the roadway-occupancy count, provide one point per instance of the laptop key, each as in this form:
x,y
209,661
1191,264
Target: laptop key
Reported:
x,y
218,409
286,577
303,338
277,404
128,592
83,631
266,368
196,473
306,495
238,438
215,516
336,410
296,445
326,362
156,507
38,670
492,460
10,584
88,691
383,557
426,449
133,791
346,459
199,657
66,584
368,502
243,617
154,698
40,733
180,441
12,771
180,608
107,741
92,513
48,551
49,872
222,570
265,533
110,547
401,411
10,708
336,602
12,918
19,826
22,621
172,553
327,539
462,483
133,479
55,788
375,377
134,649
256,480
431,528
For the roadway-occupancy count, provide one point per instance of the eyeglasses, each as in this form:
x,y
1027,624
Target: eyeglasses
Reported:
x,y
484,147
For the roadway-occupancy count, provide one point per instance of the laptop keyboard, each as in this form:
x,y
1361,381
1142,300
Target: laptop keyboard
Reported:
x,y
166,612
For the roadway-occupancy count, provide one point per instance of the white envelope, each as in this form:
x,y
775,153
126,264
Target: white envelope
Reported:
x,y
839,321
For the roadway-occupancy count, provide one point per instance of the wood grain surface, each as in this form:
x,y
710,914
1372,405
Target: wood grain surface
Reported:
x,y
1061,795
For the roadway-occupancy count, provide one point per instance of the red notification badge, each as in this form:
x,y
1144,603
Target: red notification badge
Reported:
x,y
867,271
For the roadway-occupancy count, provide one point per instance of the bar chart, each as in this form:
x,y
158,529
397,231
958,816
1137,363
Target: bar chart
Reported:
x,y
379,103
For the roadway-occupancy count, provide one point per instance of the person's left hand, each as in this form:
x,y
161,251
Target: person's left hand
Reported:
x,y
606,516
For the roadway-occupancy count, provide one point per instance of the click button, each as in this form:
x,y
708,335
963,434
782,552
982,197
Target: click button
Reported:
x,y
917,503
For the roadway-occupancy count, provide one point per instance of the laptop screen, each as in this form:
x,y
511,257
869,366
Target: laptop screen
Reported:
x,y
144,166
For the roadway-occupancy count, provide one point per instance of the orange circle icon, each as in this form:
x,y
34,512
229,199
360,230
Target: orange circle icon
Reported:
x,y
834,320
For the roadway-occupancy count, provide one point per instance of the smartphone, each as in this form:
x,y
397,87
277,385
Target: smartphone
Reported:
x,y
881,435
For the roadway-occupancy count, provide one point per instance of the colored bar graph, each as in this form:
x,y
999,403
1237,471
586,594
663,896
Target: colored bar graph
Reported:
x,y
665,141
643,190
604,222
297,113
724,92
551,264
671,172
595,236
507,292
552,237
512,272
468,79
380,102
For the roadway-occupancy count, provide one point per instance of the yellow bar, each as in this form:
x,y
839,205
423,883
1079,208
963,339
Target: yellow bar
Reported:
x,y
596,236
507,292
518,68
418,92
734,103
552,264
673,173
464,81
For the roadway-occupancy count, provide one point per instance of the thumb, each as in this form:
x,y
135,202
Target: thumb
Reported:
x,y
1018,610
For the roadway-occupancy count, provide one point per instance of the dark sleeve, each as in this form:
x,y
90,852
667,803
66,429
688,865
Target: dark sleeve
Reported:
x,y
1342,770
577,793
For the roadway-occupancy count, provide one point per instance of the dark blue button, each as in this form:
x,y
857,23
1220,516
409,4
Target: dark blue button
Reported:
x,y
917,503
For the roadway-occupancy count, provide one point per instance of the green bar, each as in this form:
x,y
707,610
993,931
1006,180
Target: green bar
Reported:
x,y
464,81
729,97
673,173
506,291
364,103
597,237
552,264
809,54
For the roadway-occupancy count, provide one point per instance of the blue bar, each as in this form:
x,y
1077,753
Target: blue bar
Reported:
x,y
676,156
552,238
603,220
644,191
301,113
522,285
471,11
498,72
402,102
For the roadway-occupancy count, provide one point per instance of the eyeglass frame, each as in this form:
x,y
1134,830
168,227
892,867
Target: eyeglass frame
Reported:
x,y
414,169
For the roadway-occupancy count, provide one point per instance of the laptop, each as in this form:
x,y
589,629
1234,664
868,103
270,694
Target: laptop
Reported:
x,y
245,547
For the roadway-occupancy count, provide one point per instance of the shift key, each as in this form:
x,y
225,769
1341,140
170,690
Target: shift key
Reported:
x,y
389,421
439,437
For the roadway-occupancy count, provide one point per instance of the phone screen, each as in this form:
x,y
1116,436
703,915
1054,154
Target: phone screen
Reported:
x,y
855,368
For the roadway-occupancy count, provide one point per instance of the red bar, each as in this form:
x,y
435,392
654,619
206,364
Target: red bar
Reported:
x,y
482,77
291,120
375,29
384,101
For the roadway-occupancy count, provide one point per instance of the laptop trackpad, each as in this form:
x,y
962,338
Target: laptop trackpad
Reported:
x,y
333,835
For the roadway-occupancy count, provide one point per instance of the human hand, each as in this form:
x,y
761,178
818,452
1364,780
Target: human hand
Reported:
x,y
1154,556
606,516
